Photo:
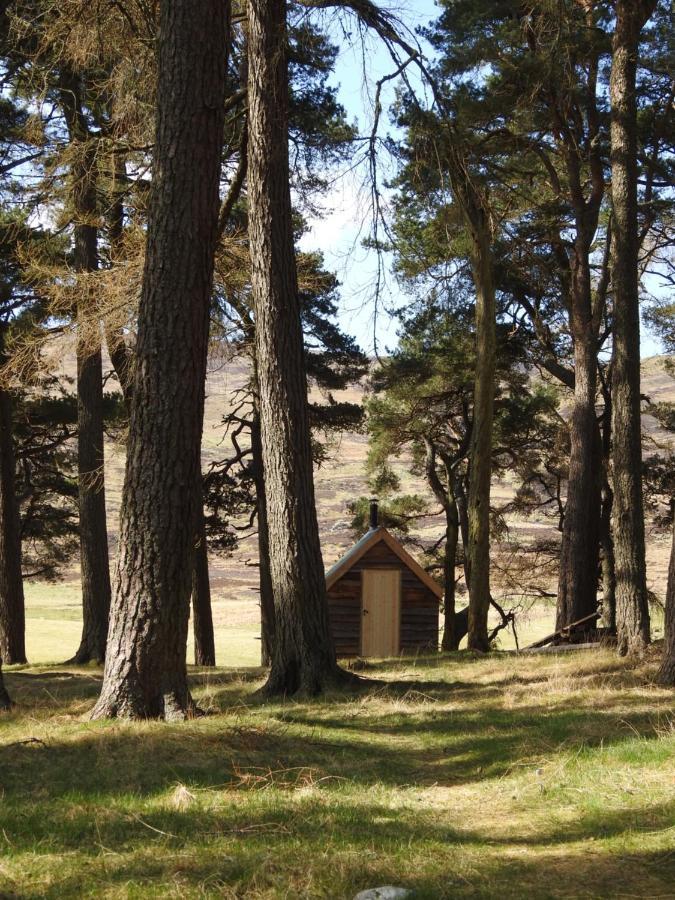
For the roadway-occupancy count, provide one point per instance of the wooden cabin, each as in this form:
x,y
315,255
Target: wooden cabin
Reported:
x,y
381,602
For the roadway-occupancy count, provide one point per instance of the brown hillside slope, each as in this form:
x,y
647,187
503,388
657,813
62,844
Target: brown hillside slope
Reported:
x,y
337,482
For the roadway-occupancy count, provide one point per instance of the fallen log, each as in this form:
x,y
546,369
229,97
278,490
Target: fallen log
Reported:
x,y
562,648
563,632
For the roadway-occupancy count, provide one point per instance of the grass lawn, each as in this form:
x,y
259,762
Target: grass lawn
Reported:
x,y
531,776
54,625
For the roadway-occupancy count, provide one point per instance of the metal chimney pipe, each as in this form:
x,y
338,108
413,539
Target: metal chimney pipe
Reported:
x,y
373,513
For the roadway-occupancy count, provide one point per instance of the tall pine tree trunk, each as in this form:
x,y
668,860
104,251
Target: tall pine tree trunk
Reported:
x,y
632,608
5,702
607,558
202,619
12,607
480,457
574,112
463,513
446,498
606,503
264,570
579,553
145,673
303,655
121,355
94,561
449,640
666,674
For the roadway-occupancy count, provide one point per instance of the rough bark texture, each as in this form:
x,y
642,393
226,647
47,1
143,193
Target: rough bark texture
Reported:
x,y
446,497
576,124
12,607
121,355
145,673
606,503
265,573
463,513
666,674
450,639
607,559
632,608
5,702
579,554
480,456
94,561
202,620
303,655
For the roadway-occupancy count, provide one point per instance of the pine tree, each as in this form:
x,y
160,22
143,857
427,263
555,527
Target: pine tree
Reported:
x,y
145,673
94,562
303,656
236,489
632,609
423,403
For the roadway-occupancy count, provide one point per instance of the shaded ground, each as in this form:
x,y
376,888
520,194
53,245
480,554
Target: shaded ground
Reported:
x,y
500,777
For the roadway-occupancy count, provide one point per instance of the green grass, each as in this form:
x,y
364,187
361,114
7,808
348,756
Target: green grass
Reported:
x,y
54,626
460,777
54,622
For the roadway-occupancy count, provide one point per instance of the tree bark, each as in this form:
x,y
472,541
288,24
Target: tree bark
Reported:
x,y
666,674
576,126
480,457
632,607
463,513
94,561
579,553
606,503
446,497
12,606
202,622
303,655
450,640
121,355
607,558
5,702
264,571
146,673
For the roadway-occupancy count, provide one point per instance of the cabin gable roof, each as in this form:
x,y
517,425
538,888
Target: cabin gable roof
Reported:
x,y
367,542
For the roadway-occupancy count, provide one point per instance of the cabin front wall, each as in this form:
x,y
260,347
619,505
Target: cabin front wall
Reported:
x,y
419,606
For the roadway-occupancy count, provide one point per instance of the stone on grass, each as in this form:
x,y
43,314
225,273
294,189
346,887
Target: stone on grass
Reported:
x,y
386,892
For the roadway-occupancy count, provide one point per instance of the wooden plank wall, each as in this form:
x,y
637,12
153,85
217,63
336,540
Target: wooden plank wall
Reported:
x,y
419,606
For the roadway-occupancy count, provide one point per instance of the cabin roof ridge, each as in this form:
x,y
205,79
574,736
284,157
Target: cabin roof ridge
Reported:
x,y
372,537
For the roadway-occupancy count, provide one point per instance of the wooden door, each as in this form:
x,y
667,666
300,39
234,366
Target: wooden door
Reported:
x,y
380,612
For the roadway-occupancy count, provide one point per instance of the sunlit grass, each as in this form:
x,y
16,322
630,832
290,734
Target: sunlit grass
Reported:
x,y
506,776
54,622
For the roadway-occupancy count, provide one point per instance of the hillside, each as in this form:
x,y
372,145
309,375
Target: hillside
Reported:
x,y
53,610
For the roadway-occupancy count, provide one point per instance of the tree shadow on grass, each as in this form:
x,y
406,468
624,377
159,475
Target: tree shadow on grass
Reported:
x,y
289,794
417,748
334,849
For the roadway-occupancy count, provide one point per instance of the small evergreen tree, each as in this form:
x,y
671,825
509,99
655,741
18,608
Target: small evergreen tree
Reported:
x,y
423,405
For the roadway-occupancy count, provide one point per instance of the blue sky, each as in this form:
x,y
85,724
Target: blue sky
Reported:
x,y
346,220
347,209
